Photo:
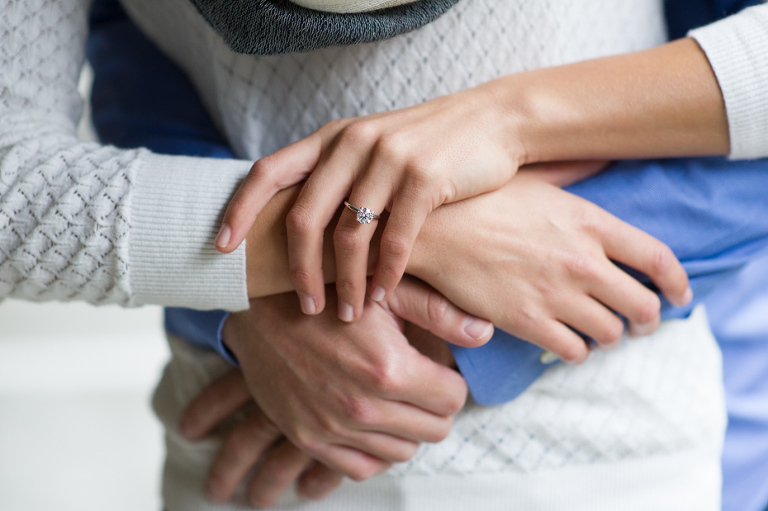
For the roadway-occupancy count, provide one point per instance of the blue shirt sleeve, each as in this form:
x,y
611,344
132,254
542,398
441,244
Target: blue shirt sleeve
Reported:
x,y
713,213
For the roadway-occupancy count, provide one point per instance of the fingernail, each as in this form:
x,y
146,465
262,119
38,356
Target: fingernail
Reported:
x,y
378,294
222,239
346,312
547,357
308,305
641,330
477,328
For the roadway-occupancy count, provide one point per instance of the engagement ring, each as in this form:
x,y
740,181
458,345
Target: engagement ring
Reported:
x,y
364,215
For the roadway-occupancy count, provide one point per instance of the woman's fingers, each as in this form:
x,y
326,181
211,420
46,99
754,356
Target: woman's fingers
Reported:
x,y
641,251
317,203
420,304
239,452
277,471
412,203
267,176
318,482
351,242
215,403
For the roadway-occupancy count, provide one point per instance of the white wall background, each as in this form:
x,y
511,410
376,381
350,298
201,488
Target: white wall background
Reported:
x,y
76,429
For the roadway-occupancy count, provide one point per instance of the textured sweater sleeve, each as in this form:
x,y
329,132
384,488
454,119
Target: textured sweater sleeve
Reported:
x,y
737,49
81,221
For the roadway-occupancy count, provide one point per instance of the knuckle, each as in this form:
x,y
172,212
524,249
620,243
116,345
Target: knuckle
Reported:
x,y
384,378
392,147
358,410
307,441
438,307
395,246
361,133
589,219
579,266
301,278
346,238
335,125
264,169
346,288
421,175
299,220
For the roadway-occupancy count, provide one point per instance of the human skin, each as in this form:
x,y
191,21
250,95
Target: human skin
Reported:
x,y
257,444
552,264
580,250
662,102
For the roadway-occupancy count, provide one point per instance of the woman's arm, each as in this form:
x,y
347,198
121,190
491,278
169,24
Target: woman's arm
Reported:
x,y
655,103
82,221
662,102
545,254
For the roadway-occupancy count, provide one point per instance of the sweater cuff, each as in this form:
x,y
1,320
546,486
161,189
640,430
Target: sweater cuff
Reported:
x,y
176,209
737,49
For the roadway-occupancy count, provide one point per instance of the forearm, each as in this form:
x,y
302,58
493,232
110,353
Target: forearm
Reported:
x,y
662,102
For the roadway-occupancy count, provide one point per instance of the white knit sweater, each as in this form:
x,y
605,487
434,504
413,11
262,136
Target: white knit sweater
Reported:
x,y
93,223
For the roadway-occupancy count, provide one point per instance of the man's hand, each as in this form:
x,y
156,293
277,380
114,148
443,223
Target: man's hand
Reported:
x,y
253,443
357,397
538,262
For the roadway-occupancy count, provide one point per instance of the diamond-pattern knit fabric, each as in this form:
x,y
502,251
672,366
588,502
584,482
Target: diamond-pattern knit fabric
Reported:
x,y
81,221
63,219
266,102
632,404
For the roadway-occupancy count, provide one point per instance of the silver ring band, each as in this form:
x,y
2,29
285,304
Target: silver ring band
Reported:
x,y
364,215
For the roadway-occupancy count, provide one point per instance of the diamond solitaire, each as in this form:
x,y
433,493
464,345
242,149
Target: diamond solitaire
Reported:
x,y
363,215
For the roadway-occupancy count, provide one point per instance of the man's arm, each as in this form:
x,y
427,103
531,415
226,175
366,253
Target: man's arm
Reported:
x,y
711,212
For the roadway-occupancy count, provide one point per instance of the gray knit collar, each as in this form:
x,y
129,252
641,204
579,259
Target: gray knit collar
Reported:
x,y
269,27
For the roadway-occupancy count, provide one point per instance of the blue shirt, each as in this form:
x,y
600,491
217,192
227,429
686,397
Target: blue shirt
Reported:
x,y
711,212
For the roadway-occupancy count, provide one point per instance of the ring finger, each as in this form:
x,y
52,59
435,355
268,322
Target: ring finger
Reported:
x,y
351,241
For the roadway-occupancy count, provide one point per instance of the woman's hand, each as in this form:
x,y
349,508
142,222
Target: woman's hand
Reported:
x,y
407,162
537,262
356,397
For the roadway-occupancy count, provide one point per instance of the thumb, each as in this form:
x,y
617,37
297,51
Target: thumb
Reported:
x,y
418,303
267,176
